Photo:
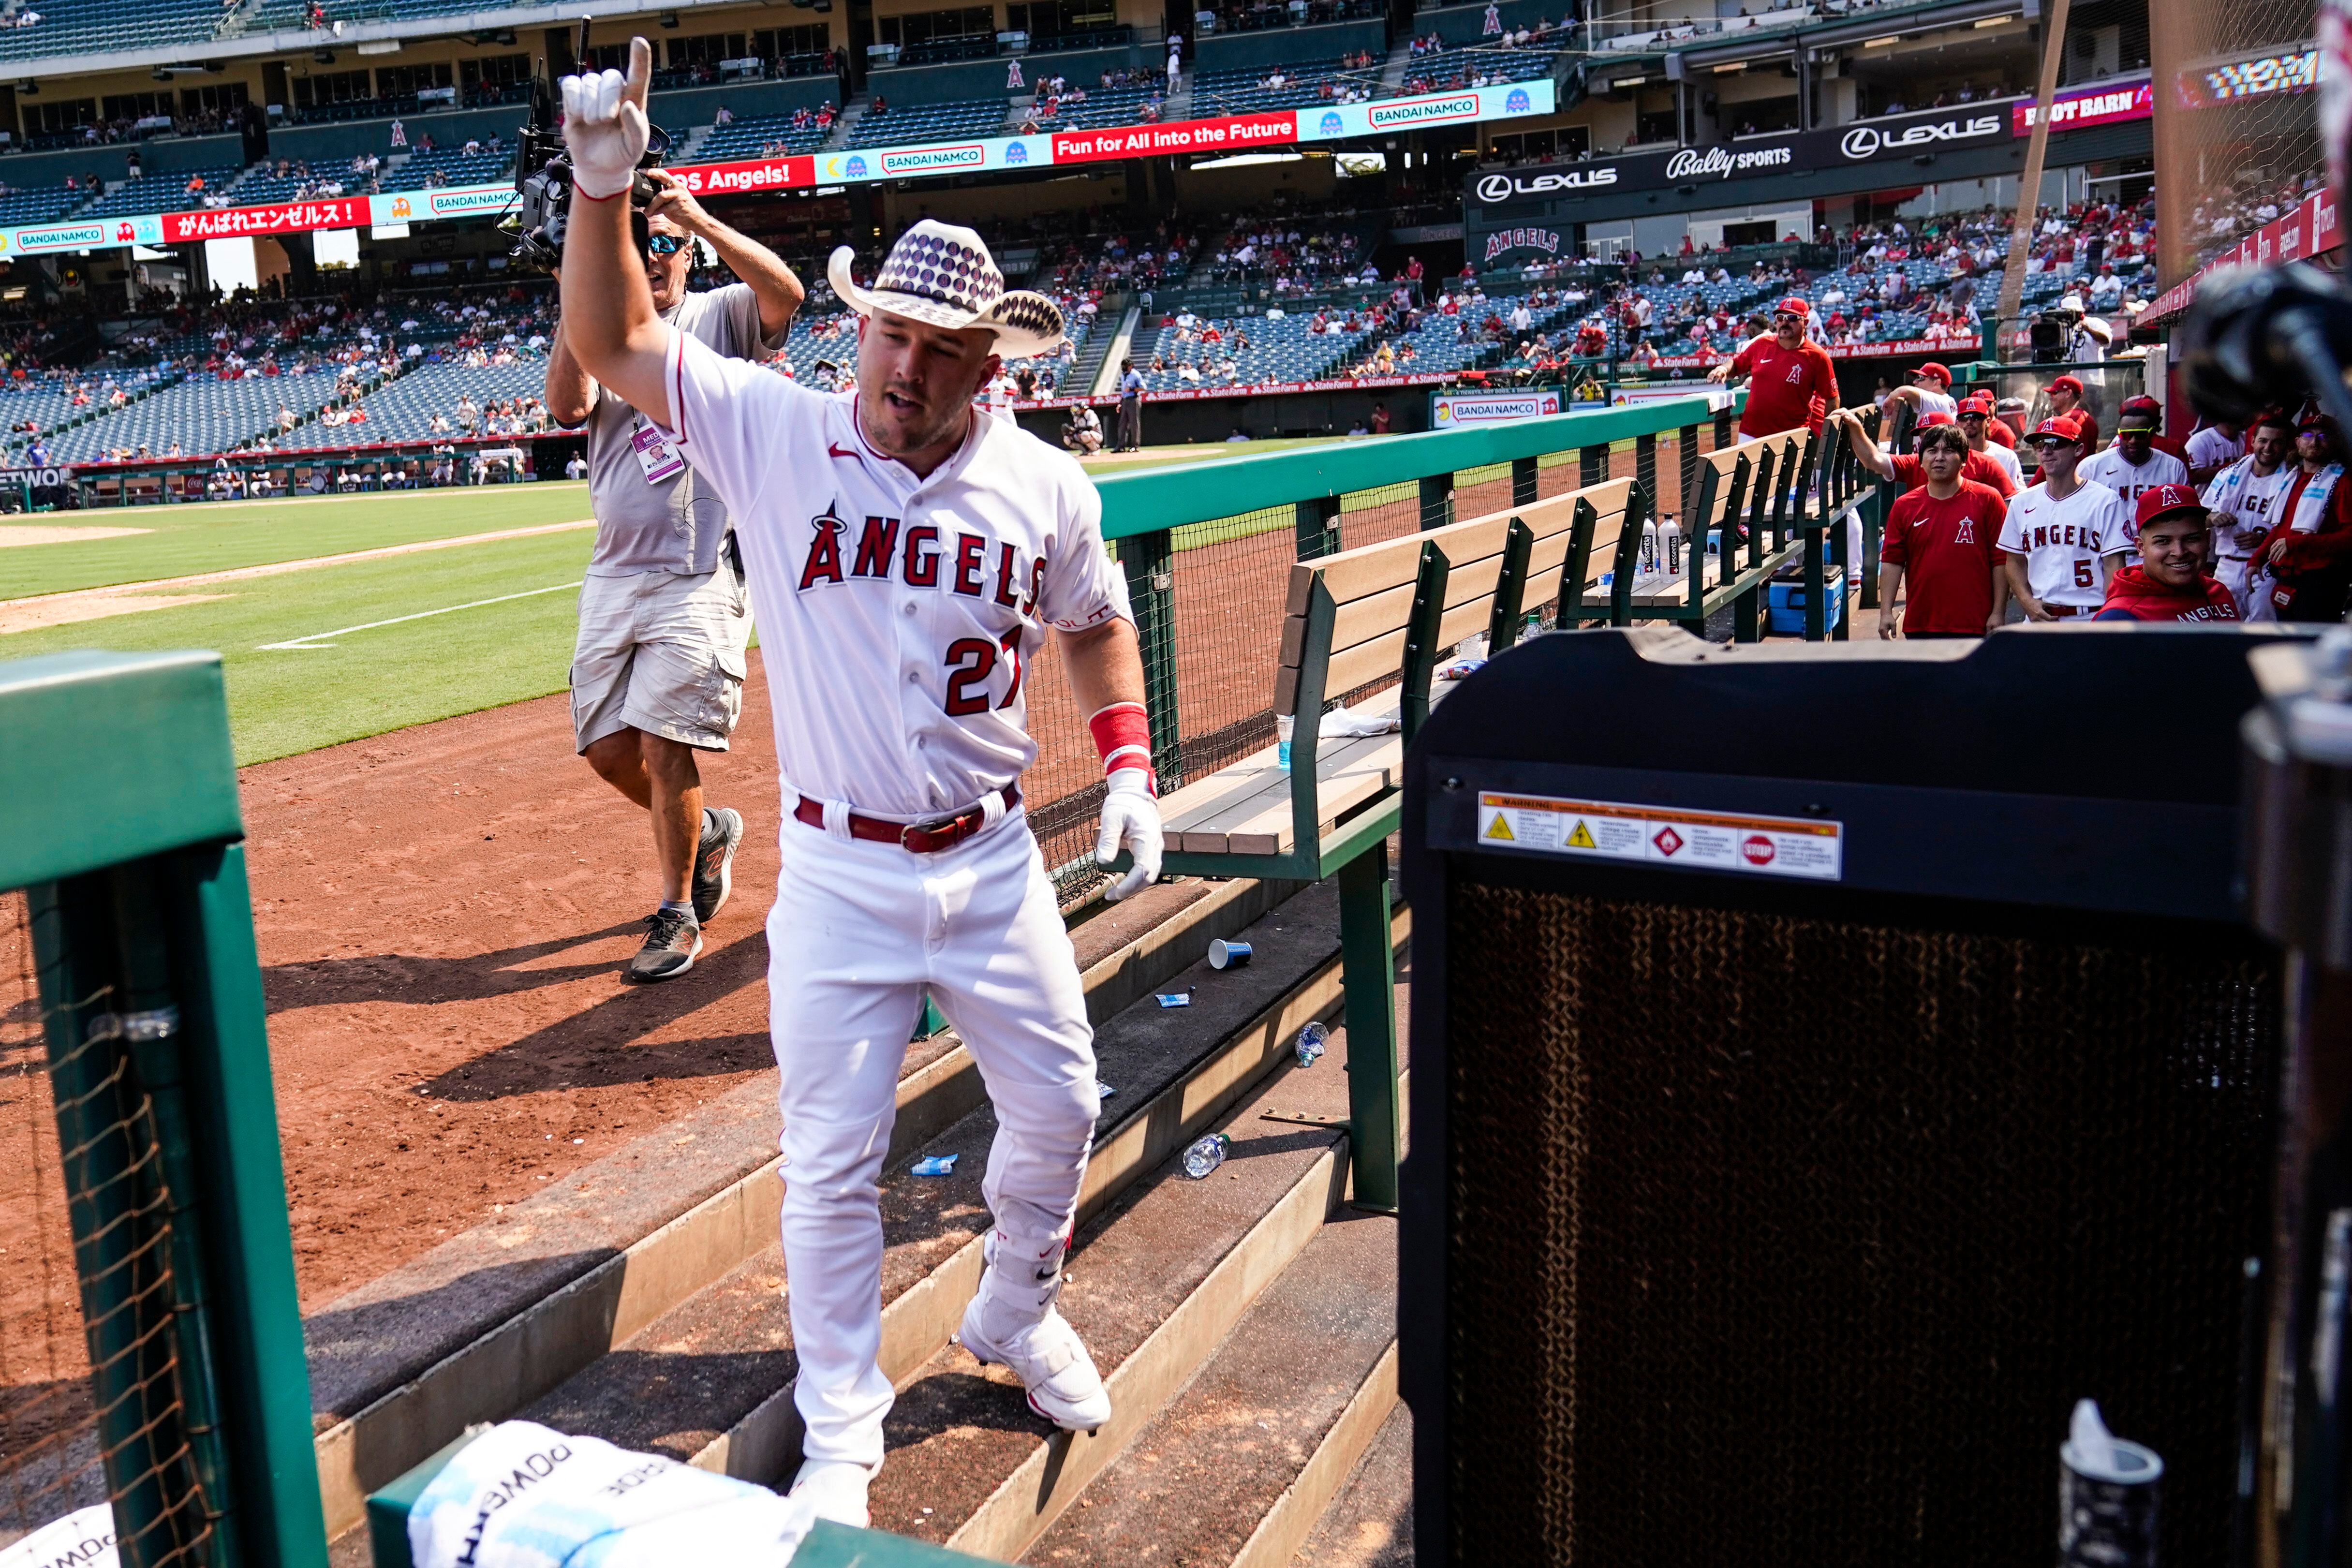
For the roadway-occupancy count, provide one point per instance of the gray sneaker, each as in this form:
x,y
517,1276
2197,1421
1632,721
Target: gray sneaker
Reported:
x,y
714,862
672,941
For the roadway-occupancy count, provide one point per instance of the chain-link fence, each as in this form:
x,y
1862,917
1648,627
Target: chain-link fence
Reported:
x,y
95,1396
2236,124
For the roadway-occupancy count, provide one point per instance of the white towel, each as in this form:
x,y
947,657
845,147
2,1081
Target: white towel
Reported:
x,y
84,1539
522,1495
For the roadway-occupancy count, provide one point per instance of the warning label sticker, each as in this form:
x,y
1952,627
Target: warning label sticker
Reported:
x,y
1711,840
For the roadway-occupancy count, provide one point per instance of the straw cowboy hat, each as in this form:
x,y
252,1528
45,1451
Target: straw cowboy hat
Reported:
x,y
941,275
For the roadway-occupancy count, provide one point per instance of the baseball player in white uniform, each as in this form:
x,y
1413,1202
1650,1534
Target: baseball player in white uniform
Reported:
x,y
907,556
2243,499
2133,465
2213,447
2063,537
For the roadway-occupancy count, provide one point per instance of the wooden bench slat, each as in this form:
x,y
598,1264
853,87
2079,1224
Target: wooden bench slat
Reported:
x,y
1472,540
1365,662
1353,574
1366,768
1203,798
1332,759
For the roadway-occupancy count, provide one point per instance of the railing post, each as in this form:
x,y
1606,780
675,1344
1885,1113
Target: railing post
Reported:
x,y
1591,466
1149,560
1722,432
1523,481
1686,450
1317,522
1645,464
1436,500
1367,970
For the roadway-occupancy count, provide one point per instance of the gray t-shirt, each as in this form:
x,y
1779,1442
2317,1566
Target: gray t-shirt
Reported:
x,y
674,524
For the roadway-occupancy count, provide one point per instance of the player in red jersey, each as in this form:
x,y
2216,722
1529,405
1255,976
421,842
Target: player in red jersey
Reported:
x,y
1943,536
2167,583
1791,382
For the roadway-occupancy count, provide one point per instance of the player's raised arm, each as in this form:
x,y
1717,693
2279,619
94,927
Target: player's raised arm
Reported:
x,y
609,321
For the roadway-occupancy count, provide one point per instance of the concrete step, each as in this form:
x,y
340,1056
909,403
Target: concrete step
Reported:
x,y
1239,1467
1370,1524
496,1318
1155,1284
710,1381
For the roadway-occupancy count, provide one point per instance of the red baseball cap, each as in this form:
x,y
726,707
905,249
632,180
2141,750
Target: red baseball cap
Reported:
x,y
2070,384
1795,305
2063,427
1933,418
1937,371
2141,407
2157,499
1976,402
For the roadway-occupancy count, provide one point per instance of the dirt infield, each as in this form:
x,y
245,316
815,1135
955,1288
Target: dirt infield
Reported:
x,y
442,912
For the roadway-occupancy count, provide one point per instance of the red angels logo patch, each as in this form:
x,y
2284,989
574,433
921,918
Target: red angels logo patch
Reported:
x,y
824,563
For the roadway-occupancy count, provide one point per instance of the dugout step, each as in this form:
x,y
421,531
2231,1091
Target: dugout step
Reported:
x,y
1153,1285
718,1367
1370,1524
1268,1431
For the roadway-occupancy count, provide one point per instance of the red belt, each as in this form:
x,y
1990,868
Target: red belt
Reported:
x,y
916,837
2063,611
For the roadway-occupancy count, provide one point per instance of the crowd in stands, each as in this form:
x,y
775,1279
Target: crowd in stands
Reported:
x,y
2221,220
1291,258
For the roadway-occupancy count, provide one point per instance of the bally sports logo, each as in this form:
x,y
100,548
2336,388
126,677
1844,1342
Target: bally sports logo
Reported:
x,y
922,159
1721,163
1869,142
1424,111
1519,188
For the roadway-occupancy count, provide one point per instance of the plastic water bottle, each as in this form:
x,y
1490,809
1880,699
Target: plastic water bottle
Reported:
x,y
1282,727
1201,1160
1670,535
1649,549
1312,1041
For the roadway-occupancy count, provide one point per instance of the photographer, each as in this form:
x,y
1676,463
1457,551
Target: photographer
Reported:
x,y
657,671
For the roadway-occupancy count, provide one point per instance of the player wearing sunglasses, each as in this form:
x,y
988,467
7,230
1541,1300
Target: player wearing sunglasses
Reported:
x,y
658,672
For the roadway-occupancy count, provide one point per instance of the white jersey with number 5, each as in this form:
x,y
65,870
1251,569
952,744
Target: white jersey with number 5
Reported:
x,y
898,616
2063,540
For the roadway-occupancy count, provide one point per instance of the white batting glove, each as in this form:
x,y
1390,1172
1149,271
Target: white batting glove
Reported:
x,y
605,123
1130,818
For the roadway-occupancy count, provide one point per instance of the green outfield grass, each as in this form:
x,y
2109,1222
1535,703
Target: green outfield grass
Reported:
x,y
220,536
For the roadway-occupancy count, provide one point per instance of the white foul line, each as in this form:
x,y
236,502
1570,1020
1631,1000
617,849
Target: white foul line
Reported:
x,y
316,640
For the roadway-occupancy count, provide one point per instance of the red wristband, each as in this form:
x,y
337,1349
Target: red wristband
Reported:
x,y
1122,733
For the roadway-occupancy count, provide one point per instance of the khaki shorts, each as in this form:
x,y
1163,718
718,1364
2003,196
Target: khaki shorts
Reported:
x,y
661,652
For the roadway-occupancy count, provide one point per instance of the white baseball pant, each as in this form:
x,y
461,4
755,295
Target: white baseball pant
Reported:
x,y
860,932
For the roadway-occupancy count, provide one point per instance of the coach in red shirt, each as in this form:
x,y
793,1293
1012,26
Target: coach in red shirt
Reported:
x,y
2167,583
1791,382
1943,536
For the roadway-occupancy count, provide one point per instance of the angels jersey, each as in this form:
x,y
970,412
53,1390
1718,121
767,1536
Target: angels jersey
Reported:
x,y
2249,498
898,616
2063,540
2110,468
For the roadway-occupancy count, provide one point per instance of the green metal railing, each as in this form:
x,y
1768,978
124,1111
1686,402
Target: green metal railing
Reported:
x,y
185,1403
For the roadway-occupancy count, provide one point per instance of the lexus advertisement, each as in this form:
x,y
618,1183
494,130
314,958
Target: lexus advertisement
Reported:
x,y
1723,174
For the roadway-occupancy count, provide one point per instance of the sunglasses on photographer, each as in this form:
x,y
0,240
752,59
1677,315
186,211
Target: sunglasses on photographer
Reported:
x,y
666,244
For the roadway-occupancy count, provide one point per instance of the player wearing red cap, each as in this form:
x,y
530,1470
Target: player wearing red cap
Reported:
x,y
1791,382
2167,583
2066,400
2063,535
1988,437
2133,465
1943,536
1908,472
1930,390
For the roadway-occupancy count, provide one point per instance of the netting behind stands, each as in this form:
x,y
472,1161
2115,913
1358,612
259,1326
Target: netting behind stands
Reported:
x,y
94,1403
1224,575
2238,138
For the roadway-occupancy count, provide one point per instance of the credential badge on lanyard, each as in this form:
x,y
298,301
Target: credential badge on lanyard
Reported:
x,y
655,454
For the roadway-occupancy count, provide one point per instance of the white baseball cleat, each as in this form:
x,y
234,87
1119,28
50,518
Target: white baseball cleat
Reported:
x,y
1052,1365
834,1490
1012,1321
